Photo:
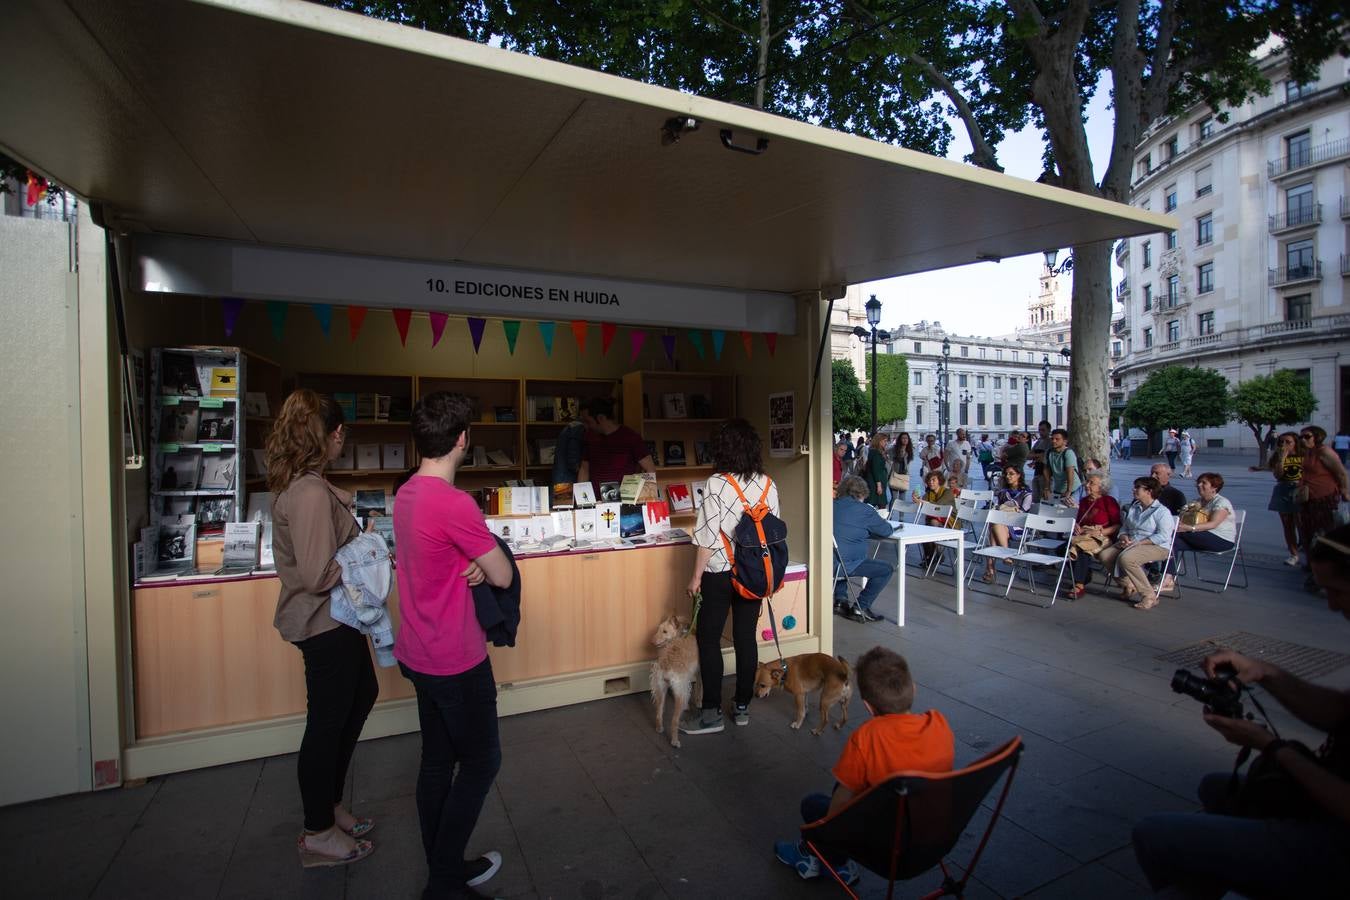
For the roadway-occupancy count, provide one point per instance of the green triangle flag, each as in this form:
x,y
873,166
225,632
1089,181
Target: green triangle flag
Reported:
x,y
512,329
546,332
696,338
276,311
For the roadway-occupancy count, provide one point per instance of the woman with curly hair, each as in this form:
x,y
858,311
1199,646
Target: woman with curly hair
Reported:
x,y
1286,463
311,519
737,456
1322,485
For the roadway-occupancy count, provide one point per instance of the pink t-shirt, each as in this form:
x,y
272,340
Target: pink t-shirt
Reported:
x,y
438,530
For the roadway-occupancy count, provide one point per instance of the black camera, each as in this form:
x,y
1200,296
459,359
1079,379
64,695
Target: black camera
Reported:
x,y
1222,694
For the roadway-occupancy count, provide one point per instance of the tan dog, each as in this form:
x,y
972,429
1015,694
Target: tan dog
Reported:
x,y
809,672
675,668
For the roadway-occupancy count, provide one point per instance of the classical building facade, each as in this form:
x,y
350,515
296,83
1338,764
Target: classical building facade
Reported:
x,y
1254,279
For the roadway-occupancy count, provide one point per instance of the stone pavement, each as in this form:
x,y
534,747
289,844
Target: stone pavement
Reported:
x,y
592,803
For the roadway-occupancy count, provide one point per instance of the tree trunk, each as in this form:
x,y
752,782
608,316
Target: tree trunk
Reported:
x,y
1089,403
762,66
1261,458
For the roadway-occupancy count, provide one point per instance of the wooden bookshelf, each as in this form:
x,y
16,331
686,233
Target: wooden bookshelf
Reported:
x,y
646,407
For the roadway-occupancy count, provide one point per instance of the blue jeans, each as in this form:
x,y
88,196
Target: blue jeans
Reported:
x,y
458,715
878,574
1210,853
814,808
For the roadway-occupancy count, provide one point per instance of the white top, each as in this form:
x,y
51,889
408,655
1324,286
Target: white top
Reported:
x,y
959,450
1227,529
721,511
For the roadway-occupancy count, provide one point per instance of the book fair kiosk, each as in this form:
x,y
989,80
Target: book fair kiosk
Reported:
x,y
282,195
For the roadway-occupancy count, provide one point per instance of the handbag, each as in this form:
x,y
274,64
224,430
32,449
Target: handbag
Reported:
x,y
1193,514
899,480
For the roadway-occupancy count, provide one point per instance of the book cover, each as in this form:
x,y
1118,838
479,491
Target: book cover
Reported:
x,y
265,559
479,457
255,404
656,516
396,456
586,524
631,520
213,514
224,381
673,406
500,458
502,528
548,449
651,451
522,501
178,424
258,462
346,401
371,503
543,526
609,492
215,426
607,522
679,498
241,548
384,527
177,544
368,457
218,471
700,490
178,376
179,506
566,409
674,453
702,454
564,523
638,488
583,493
541,497
180,471
260,507
504,413
346,459
562,497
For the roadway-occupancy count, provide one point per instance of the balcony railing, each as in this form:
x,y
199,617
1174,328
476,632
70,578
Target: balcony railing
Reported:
x,y
1345,207
1122,251
1122,326
1298,217
1319,328
1295,274
1345,264
1204,340
1312,156
1123,289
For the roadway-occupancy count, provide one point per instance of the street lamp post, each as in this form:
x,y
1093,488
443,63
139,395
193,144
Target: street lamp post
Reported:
x,y
1026,401
1045,386
1059,410
873,307
946,387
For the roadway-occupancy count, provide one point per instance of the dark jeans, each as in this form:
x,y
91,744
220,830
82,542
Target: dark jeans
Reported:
x,y
1081,567
340,689
1209,853
814,808
1204,541
878,574
1171,459
458,714
719,600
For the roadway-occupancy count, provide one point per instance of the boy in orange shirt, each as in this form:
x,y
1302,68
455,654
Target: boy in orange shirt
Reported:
x,y
893,740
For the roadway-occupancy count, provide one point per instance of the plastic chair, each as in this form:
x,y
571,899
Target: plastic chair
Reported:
x,y
1009,520
906,825
1234,557
1043,525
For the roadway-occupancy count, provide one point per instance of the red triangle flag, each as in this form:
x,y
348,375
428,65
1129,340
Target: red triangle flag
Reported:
x,y
579,332
356,317
771,339
607,332
401,318
748,340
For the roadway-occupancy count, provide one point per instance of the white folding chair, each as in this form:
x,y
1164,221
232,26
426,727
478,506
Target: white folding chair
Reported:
x,y
1060,514
970,519
1234,555
1043,527
840,574
981,498
926,511
987,550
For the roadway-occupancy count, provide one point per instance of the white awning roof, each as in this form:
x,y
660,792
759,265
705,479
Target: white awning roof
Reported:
x,y
283,123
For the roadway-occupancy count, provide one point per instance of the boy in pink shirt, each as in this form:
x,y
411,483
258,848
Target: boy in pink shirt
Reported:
x,y
444,549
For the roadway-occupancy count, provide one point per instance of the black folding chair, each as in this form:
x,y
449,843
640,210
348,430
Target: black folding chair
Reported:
x,y
904,826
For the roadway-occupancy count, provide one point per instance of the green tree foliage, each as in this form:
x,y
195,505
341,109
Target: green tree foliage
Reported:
x,y
851,409
1267,401
1179,397
892,388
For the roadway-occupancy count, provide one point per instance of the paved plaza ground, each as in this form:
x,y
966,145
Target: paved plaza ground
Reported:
x,y
592,803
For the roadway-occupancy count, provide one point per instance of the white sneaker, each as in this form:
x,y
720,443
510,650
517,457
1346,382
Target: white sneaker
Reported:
x,y
1291,561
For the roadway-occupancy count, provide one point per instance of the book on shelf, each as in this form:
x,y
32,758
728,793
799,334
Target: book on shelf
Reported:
x,y
607,521
213,514
384,407
609,492
218,471
367,406
656,516
346,458
500,458
702,454
216,425
258,462
396,456
479,457
583,493
674,453
265,560
631,520
224,381
567,409
240,552
700,490
548,450
178,506
176,544
562,496
178,423
504,413
370,503
178,375
673,406
255,404
586,524
651,451
368,457
679,498
539,409
384,527
259,506
180,471
638,488
700,407
346,401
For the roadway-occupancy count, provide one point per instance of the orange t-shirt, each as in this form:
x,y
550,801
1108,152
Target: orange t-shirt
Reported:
x,y
900,742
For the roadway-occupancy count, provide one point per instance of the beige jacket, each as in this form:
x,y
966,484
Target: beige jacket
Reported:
x,y
311,519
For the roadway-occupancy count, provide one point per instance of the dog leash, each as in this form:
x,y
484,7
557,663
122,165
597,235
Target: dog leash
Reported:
x,y
693,619
773,627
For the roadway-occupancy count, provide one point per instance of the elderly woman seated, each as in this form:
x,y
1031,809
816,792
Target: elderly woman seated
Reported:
x,y
1146,532
855,523
1096,527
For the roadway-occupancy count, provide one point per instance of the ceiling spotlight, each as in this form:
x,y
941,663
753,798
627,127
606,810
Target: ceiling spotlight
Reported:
x,y
675,128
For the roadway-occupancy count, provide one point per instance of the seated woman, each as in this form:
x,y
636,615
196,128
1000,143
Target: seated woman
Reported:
x,y
1014,496
1220,531
1096,527
939,495
1146,532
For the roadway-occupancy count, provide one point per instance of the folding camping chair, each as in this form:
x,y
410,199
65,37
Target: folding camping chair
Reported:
x,y
1234,555
906,825
1036,554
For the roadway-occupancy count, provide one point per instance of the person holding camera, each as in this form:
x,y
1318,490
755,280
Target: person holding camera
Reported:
x,y
1285,832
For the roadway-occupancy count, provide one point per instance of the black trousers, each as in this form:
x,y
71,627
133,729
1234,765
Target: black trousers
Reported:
x,y
719,600
340,689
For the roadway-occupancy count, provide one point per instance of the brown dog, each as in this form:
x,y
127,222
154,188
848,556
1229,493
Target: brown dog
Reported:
x,y
675,668
809,672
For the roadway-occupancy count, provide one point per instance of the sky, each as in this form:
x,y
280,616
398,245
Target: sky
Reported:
x,y
989,298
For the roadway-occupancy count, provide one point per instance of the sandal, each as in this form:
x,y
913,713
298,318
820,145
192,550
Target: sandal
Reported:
x,y
313,859
1146,603
1077,592
987,577
362,828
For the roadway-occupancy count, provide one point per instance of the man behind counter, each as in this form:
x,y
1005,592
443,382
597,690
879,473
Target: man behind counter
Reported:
x,y
611,450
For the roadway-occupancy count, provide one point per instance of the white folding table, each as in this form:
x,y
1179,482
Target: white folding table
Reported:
x,y
906,535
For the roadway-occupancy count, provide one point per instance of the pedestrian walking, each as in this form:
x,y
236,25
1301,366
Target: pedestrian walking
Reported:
x,y
1171,447
1286,464
1187,452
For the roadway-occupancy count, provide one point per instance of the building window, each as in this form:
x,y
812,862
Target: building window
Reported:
x,y
1115,349
1012,415
1170,148
963,411
1298,149
979,381
1169,198
1298,258
979,413
1173,331
1295,91
1205,323
998,382
984,352
998,414
918,414
1171,240
1204,278
1173,290
1145,164
961,380
1148,338
1148,297
1014,356
1204,230
918,377
998,353
1204,128
1148,254
918,346
1204,180
965,351
1298,204
1059,384
1298,308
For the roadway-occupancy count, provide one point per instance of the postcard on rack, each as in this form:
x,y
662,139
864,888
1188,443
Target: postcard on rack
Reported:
x,y
396,456
586,525
218,471
241,548
178,376
258,462
178,424
631,521
679,498
224,381
213,513
259,506
180,471
607,521
583,493
255,404
216,426
368,456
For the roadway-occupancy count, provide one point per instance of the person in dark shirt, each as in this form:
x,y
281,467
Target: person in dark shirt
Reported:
x,y
855,523
611,450
1171,498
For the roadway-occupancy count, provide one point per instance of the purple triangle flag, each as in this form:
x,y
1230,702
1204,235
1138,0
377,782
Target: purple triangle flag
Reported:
x,y
668,342
476,327
231,307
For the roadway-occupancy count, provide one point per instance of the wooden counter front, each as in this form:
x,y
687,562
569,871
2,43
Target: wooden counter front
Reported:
x,y
206,655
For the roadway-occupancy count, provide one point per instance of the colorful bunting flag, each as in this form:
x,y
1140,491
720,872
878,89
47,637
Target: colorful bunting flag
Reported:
x,y
37,189
668,342
718,338
231,307
476,327
438,320
748,341
546,333
696,338
607,332
771,340
276,312
324,313
636,338
401,318
512,329
579,332
356,317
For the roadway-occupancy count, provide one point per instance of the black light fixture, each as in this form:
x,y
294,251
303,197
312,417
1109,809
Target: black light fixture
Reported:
x,y
675,128
1026,400
873,307
1045,385
1062,268
946,409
